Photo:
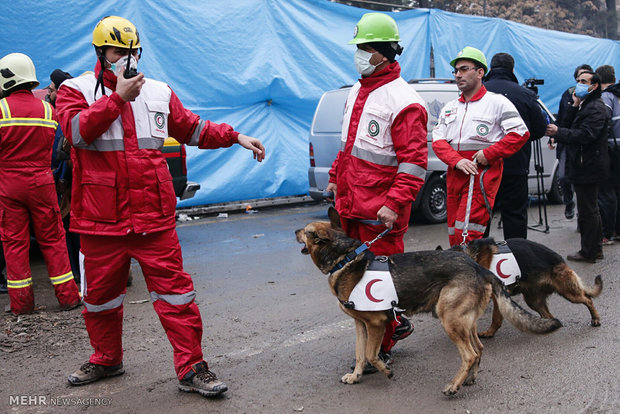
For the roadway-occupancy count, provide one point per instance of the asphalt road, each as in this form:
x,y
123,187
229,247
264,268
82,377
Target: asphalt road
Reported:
x,y
273,332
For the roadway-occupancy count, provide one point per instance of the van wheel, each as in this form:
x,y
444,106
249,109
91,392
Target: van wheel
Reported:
x,y
434,200
555,193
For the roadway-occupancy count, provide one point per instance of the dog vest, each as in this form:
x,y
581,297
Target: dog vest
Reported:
x,y
504,265
375,291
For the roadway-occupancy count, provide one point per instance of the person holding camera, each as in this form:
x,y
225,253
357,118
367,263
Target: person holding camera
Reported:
x,y
512,195
124,204
583,132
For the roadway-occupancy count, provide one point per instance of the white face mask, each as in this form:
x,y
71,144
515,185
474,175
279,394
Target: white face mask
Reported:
x,y
120,65
362,62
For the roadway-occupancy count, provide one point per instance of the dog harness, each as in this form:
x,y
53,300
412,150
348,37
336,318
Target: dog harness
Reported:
x,y
504,265
375,291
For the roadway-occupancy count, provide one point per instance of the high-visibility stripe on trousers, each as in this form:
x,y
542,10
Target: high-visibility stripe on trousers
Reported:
x,y
457,184
106,261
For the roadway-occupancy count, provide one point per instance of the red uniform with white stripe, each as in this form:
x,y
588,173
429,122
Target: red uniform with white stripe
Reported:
x,y
123,205
382,161
488,122
28,196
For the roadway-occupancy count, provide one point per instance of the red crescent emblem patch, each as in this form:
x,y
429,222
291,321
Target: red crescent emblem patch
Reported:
x,y
368,294
498,268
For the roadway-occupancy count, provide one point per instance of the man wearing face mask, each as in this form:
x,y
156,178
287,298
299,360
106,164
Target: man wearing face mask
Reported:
x,y
123,202
383,155
584,131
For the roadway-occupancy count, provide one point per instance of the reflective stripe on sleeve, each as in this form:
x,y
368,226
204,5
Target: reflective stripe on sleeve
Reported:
x,y
57,280
195,138
76,138
183,299
112,304
469,146
411,169
509,115
16,284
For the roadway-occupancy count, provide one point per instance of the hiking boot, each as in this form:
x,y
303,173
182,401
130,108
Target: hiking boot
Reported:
x,y
569,210
403,330
90,372
386,357
199,379
70,306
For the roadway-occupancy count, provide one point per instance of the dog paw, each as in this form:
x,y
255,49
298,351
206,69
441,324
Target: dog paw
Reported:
x,y
350,378
486,334
595,322
470,381
450,390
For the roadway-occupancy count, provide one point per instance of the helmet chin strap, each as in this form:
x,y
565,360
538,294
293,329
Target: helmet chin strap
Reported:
x,y
102,61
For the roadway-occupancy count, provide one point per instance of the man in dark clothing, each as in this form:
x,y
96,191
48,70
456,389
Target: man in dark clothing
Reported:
x,y
584,133
566,188
609,190
513,190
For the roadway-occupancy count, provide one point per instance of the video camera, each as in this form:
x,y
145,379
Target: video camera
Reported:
x,y
531,84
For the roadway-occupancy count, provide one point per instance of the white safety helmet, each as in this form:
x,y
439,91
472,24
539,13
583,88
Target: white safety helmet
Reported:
x,y
17,69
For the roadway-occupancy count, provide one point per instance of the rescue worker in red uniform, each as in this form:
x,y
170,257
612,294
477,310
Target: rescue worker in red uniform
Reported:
x,y
472,136
123,202
382,162
27,190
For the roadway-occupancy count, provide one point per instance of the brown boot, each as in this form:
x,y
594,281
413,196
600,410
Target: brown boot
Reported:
x,y
90,372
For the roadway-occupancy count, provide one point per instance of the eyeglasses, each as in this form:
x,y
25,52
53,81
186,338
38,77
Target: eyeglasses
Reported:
x,y
463,69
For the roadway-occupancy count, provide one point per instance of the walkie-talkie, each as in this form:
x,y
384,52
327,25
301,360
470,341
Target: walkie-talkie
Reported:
x,y
129,71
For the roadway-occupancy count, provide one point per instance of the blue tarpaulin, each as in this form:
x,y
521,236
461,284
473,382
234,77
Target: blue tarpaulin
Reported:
x,y
262,65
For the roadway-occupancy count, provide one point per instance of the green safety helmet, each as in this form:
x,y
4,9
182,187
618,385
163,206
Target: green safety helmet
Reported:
x,y
375,27
471,53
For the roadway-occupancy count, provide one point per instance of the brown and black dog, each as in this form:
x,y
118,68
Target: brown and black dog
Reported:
x,y
448,282
543,272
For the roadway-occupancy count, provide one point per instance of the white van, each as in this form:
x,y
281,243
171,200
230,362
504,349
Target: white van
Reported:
x,y
431,202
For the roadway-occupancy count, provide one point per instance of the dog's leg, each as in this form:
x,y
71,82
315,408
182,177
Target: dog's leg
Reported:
x,y
361,337
458,322
538,302
478,347
496,322
376,330
570,287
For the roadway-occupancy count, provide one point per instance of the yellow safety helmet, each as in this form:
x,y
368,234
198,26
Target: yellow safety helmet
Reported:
x,y
17,69
116,31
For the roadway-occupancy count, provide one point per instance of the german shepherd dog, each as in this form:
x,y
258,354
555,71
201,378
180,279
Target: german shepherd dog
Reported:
x,y
448,282
543,272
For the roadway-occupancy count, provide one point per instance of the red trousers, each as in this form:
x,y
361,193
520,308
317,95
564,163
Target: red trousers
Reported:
x,y
457,184
29,198
391,243
106,269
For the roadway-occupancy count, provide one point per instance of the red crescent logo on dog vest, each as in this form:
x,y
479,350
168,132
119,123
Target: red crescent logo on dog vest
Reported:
x,y
505,267
368,294
498,269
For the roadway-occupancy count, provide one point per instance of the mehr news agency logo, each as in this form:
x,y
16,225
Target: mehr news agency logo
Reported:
x,y
44,400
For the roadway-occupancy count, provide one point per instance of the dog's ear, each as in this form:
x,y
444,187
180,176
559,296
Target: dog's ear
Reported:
x,y
319,236
334,218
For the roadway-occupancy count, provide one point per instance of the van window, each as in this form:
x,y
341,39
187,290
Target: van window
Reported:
x,y
329,113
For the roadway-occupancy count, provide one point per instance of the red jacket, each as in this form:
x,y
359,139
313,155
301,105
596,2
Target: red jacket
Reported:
x,y
24,145
121,182
384,152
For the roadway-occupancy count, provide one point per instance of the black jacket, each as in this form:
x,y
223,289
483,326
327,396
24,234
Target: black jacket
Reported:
x,y
584,133
503,81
